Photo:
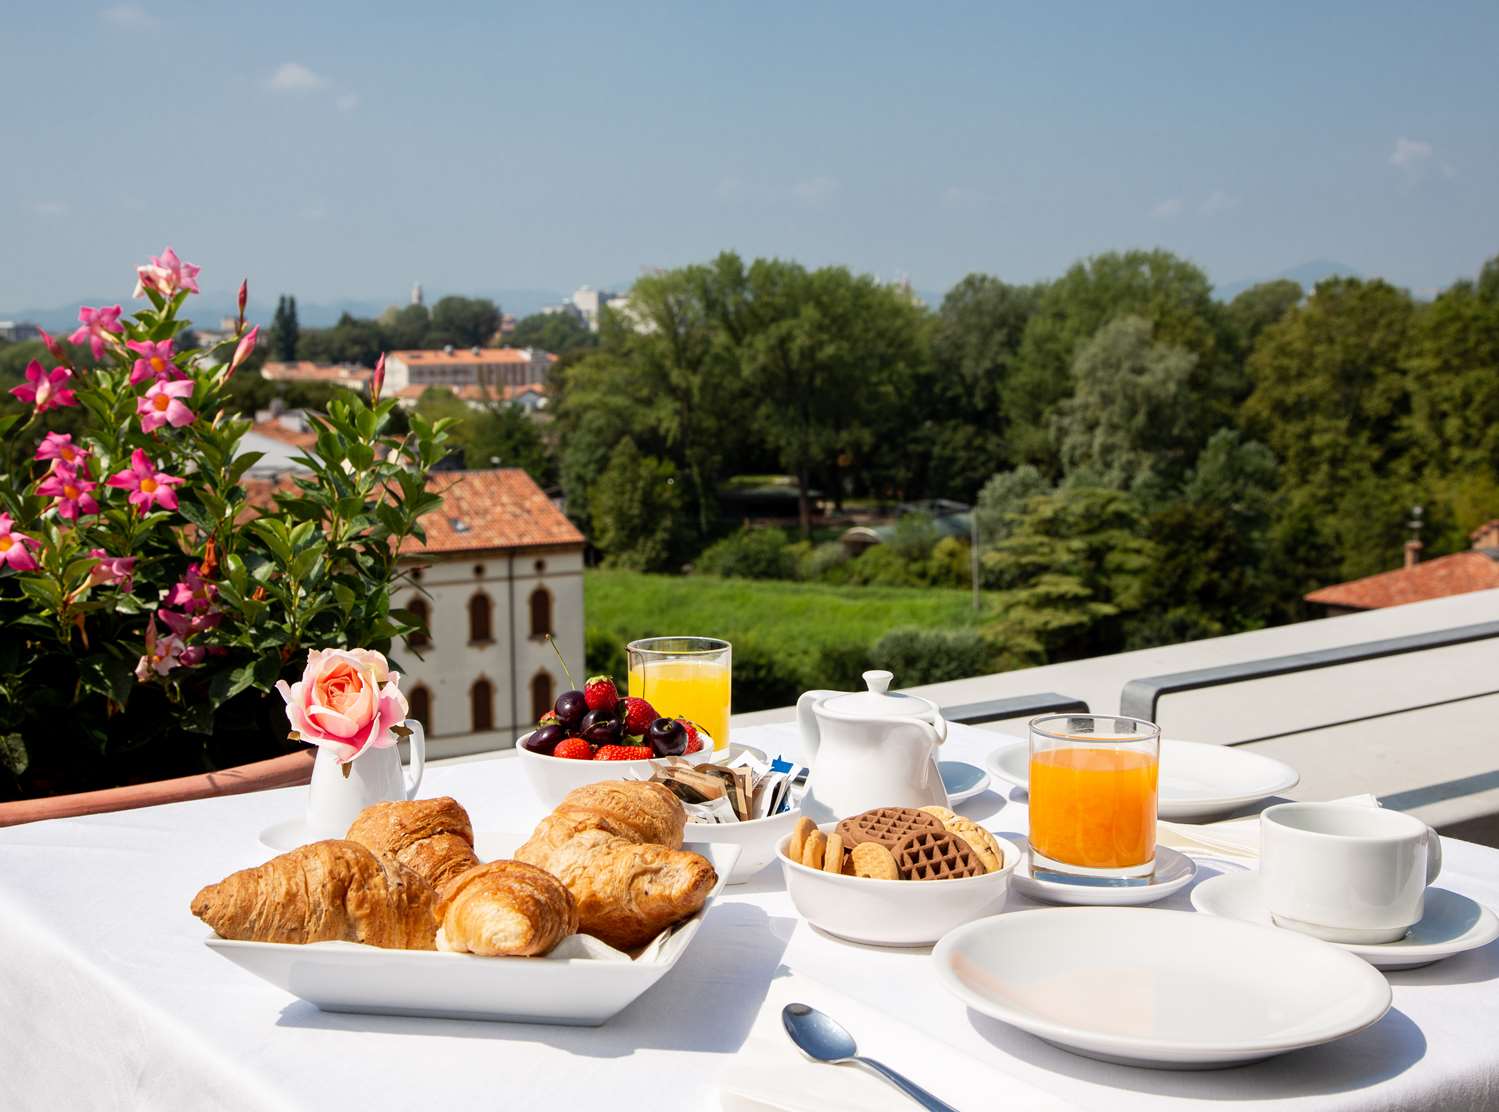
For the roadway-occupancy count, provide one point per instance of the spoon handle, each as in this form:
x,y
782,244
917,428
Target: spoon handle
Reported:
x,y
905,1085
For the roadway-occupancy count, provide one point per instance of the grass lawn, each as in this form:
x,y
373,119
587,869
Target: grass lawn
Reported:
x,y
785,635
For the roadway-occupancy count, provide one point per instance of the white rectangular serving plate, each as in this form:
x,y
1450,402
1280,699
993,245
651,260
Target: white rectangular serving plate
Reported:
x,y
575,992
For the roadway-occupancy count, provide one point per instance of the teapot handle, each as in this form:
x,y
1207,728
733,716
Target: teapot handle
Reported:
x,y
806,721
418,740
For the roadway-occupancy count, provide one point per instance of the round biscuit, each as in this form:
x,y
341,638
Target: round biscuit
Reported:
x,y
981,842
798,842
832,861
874,861
941,814
815,849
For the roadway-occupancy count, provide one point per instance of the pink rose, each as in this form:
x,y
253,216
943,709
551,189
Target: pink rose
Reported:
x,y
348,699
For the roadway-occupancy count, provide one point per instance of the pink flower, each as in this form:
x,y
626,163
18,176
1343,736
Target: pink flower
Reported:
x,y
162,404
44,389
119,570
244,298
155,361
71,491
54,348
192,592
166,274
242,350
162,653
15,548
96,326
59,446
377,380
347,699
185,626
147,485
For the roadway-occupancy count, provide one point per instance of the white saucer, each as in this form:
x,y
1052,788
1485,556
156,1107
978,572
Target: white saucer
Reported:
x,y
1173,872
962,780
1198,780
1166,989
1451,925
286,835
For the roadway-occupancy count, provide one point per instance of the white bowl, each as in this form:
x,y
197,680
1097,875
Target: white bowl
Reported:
x,y
758,840
894,912
553,777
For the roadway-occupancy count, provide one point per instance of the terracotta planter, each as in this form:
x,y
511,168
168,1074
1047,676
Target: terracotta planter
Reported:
x,y
279,772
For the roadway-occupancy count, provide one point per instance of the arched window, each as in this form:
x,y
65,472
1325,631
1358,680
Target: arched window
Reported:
x,y
541,694
479,608
421,638
420,703
481,696
541,612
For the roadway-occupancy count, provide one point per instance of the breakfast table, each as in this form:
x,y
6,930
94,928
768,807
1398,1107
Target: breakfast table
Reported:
x,y
112,1000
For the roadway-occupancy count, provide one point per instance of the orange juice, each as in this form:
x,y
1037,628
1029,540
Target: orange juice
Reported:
x,y
1094,807
695,689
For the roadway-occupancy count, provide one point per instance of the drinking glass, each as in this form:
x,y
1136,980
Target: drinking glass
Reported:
x,y
685,677
1093,785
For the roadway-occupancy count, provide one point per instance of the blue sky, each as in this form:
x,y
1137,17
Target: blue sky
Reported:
x,y
345,150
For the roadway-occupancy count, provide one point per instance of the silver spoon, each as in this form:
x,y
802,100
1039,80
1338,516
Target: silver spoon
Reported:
x,y
821,1038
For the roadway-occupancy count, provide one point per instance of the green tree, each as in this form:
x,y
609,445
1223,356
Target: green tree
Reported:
x,y
554,332
1003,500
353,339
1260,306
1174,295
635,507
1332,400
1134,421
405,328
285,332
463,322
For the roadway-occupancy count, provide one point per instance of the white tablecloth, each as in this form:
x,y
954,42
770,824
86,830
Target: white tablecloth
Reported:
x,y
111,1000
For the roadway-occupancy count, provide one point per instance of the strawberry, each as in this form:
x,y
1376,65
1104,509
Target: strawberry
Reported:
x,y
574,748
638,715
548,719
694,743
601,694
622,753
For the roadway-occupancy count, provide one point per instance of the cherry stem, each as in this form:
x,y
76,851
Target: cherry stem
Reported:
x,y
565,671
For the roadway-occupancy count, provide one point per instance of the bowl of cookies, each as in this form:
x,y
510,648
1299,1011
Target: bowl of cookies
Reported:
x,y
896,876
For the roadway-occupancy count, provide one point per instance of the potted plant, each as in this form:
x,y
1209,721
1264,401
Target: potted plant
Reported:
x,y
152,596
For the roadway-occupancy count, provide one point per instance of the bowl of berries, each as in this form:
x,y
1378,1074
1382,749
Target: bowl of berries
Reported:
x,y
595,734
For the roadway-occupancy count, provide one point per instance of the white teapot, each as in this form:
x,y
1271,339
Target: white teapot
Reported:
x,y
874,748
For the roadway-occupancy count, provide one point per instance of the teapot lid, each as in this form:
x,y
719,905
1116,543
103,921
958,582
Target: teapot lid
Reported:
x,y
878,701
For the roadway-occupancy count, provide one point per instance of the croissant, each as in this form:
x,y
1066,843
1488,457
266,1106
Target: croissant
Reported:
x,y
600,843
323,892
431,837
505,907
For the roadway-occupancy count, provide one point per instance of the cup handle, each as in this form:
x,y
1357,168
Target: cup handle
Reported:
x,y
418,742
1433,855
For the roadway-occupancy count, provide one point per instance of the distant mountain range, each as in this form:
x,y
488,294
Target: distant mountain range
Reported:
x,y
214,305
1308,274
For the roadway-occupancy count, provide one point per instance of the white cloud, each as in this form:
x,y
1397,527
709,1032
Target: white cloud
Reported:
x,y
1409,153
962,197
1219,202
815,191
1169,209
52,208
128,17
347,102
294,77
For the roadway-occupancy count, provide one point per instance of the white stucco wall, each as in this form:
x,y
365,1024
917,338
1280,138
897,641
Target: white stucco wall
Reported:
x,y
451,664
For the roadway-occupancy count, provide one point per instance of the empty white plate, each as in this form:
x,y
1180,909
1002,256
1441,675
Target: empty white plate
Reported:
x,y
1164,989
962,780
1452,923
1197,781
1173,872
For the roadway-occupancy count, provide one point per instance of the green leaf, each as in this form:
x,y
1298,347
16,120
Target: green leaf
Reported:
x,y
13,753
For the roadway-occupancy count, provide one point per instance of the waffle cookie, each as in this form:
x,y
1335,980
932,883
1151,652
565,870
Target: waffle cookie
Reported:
x,y
886,825
936,855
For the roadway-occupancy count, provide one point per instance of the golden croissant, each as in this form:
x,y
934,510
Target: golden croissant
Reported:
x,y
602,843
323,892
431,837
505,908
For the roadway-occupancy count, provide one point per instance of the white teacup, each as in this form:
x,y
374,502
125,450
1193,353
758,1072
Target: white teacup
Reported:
x,y
1344,872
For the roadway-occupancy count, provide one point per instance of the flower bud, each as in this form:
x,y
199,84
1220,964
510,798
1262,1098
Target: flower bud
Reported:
x,y
242,350
377,381
244,296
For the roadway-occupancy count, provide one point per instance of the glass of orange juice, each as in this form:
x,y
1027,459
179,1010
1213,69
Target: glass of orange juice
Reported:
x,y
1093,797
685,677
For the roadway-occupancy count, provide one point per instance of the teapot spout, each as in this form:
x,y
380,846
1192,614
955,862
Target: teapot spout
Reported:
x,y
806,720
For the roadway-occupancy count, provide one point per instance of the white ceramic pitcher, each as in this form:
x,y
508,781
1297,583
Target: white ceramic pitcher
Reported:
x,y
874,748
335,800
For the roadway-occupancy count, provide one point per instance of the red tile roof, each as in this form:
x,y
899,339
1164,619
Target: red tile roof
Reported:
x,y
484,510
473,392
1446,575
297,438
307,371
465,356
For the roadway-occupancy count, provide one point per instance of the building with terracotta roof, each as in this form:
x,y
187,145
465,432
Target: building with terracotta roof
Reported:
x,y
530,396
501,568
450,366
1457,574
352,375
